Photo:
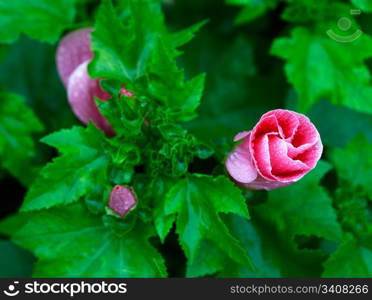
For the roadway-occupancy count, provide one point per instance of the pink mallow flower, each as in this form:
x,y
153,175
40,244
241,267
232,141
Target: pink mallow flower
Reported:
x,y
73,55
281,148
122,200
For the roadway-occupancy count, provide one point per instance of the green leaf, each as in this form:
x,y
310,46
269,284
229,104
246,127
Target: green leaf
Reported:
x,y
209,260
122,51
232,83
43,20
353,212
17,146
163,222
74,173
252,9
145,49
123,47
364,5
198,201
354,164
269,255
351,259
320,67
70,242
303,208
180,97
182,37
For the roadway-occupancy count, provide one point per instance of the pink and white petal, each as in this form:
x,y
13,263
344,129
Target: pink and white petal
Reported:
x,y
288,122
292,176
311,156
239,163
259,148
266,125
294,152
264,184
281,164
306,132
241,135
81,91
73,50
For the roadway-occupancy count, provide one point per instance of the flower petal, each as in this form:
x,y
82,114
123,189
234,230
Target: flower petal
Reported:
x,y
306,132
287,121
284,167
241,135
311,156
264,184
284,146
267,124
81,91
73,50
261,155
122,200
239,163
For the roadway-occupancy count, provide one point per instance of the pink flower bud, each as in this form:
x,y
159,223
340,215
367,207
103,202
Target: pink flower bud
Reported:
x,y
81,91
73,55
281,148
73,50
125,92
122,200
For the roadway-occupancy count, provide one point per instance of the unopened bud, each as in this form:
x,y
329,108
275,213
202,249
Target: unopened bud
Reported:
x,y
125,92
122,200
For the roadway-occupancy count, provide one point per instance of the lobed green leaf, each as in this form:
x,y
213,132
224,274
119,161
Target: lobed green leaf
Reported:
x,y
43,20
18,124
72,175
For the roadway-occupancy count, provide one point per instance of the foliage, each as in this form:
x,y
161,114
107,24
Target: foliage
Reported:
x,y
40,19
17,146
200,71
